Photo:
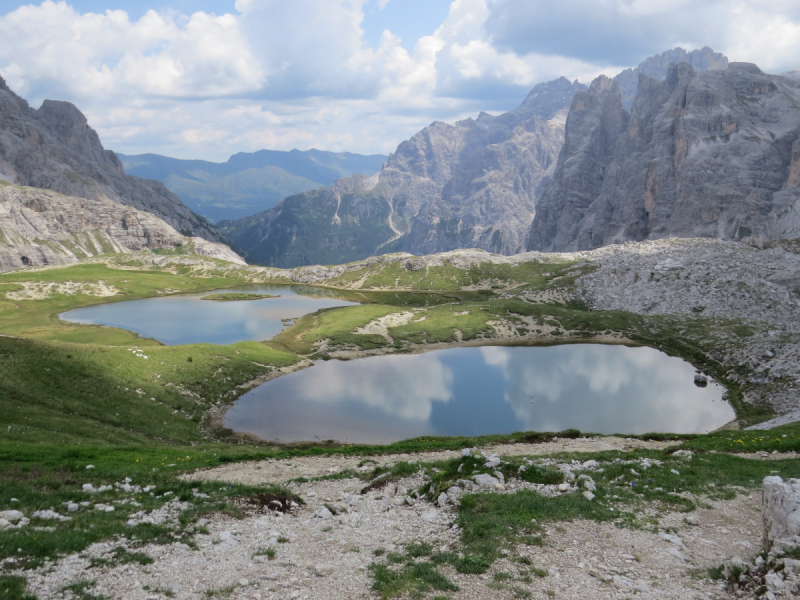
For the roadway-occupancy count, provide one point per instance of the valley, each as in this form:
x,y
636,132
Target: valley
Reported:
x,y
548,353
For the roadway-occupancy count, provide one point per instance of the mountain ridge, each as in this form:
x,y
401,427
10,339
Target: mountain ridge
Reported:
x,y
249,182
54,148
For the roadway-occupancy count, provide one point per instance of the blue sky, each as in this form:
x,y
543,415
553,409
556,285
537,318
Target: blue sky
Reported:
x,y
203,79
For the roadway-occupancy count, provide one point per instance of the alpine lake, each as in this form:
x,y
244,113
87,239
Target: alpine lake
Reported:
x,y
458,391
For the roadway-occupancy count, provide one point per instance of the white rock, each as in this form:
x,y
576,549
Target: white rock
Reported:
x,y
672,538
12,516
467,451
90,466
588,495
563,487
485,480
323,570
774,582
430,515
780,512
88,488
324,513
4,524
442,499
693,520
72,507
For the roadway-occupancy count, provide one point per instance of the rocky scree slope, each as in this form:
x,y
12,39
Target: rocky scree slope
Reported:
x,y
702,154
41,227
54,148
470,184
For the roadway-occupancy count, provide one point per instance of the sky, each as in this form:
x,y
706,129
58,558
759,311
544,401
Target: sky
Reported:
x,y
205,79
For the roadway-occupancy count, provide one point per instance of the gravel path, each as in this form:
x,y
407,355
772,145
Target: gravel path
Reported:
x,y
327,558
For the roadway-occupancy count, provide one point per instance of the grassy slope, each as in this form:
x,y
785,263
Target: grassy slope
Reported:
x,y
70,392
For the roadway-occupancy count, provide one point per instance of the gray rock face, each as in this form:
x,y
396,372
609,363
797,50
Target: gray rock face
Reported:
x,y
780,512
55,148
710,154
470,184
657,67
41,227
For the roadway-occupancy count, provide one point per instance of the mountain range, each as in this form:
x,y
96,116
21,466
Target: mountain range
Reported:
x,y
564,160
468,184
248,183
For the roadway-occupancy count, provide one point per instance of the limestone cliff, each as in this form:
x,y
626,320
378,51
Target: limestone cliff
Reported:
x,y
702,154
41,227
55,148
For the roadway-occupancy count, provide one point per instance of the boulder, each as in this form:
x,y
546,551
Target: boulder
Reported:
x,y
780,513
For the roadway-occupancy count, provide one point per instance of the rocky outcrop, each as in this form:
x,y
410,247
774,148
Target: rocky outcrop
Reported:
x,y
54,148
702,154
41,227
470,184
780,512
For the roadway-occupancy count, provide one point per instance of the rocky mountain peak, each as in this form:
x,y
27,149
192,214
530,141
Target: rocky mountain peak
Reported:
x,y
702,154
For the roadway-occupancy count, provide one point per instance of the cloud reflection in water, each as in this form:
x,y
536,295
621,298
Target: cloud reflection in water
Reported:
x,y
473,391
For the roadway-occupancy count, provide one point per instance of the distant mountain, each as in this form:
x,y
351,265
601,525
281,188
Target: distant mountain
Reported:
x,y
470,184
249,182
657,67
54,148
701,154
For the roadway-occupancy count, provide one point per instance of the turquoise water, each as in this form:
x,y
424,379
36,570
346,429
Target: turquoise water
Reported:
x,y
476,391
186,319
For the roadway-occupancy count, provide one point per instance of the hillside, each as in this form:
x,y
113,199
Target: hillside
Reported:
x,y
54,148
41,227
248,183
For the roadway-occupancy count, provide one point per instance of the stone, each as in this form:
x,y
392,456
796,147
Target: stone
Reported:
x,y
442,500
588,495
486,480
224,537
563,487
4,524
674,539
12,516
429,515
700,379
693,520
774,582
87,488
323,570
323,513
780,513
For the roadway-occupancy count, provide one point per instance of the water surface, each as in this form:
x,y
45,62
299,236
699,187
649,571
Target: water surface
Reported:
x,y
186,319
477,391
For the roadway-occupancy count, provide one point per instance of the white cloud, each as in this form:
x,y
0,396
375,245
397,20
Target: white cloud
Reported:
x,y
282,74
